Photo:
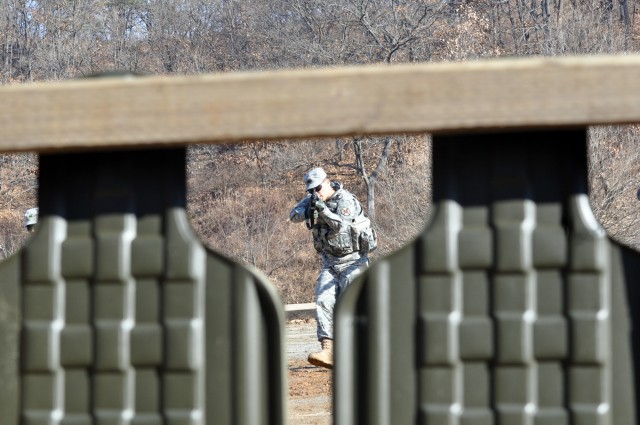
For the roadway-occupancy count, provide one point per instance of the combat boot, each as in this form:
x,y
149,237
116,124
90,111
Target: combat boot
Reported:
x,y
323,358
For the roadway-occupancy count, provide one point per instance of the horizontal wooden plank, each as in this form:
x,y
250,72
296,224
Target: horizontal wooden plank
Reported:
x,y
434,97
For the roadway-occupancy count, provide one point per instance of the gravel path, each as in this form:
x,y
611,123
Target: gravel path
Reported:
x,y
301,339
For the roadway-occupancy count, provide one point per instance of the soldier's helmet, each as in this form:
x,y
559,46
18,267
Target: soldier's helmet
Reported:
x,y
30,218
314,177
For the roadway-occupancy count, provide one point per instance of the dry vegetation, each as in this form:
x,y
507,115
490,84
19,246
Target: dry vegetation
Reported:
x,y
18,192
240,195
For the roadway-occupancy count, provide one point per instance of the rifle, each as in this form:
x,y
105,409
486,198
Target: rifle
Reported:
x,y
311,210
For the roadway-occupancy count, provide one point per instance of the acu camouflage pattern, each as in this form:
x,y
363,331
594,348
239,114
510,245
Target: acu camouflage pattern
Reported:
x,y
332,237
333,279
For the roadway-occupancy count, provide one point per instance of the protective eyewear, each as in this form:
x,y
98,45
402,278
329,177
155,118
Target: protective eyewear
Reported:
x,y
316,189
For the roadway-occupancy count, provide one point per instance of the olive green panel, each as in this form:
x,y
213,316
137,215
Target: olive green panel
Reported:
x,y
9,338
124,317
511,308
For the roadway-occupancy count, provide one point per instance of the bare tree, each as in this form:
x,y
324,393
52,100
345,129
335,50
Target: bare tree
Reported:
x,y
395,25
17,40
371,179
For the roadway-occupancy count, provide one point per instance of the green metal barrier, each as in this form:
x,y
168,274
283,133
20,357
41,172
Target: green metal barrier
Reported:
x,y
512,308
116,314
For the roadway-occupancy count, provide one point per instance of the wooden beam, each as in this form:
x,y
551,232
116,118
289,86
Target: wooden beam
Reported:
x,y
435,97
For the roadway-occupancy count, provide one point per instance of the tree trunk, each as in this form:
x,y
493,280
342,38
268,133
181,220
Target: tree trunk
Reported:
x,y
370,180
624,10
371,202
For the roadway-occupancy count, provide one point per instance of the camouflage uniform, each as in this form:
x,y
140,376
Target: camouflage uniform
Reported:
x,y
332,239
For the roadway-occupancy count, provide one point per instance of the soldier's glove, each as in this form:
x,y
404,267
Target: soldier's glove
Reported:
x,y
310,211
319,204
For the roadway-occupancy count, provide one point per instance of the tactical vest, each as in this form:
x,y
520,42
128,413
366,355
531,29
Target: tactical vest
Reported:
x,y
357,235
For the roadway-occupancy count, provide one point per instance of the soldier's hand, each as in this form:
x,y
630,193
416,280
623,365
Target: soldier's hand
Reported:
x,y
319,204
311,211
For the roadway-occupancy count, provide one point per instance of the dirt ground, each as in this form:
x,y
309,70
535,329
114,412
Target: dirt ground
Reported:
x,y
310,387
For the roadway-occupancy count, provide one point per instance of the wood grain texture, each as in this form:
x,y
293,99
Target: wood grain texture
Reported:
x,y
435,97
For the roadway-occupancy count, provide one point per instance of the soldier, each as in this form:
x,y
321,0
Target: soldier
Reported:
x,y
31,219
331,211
